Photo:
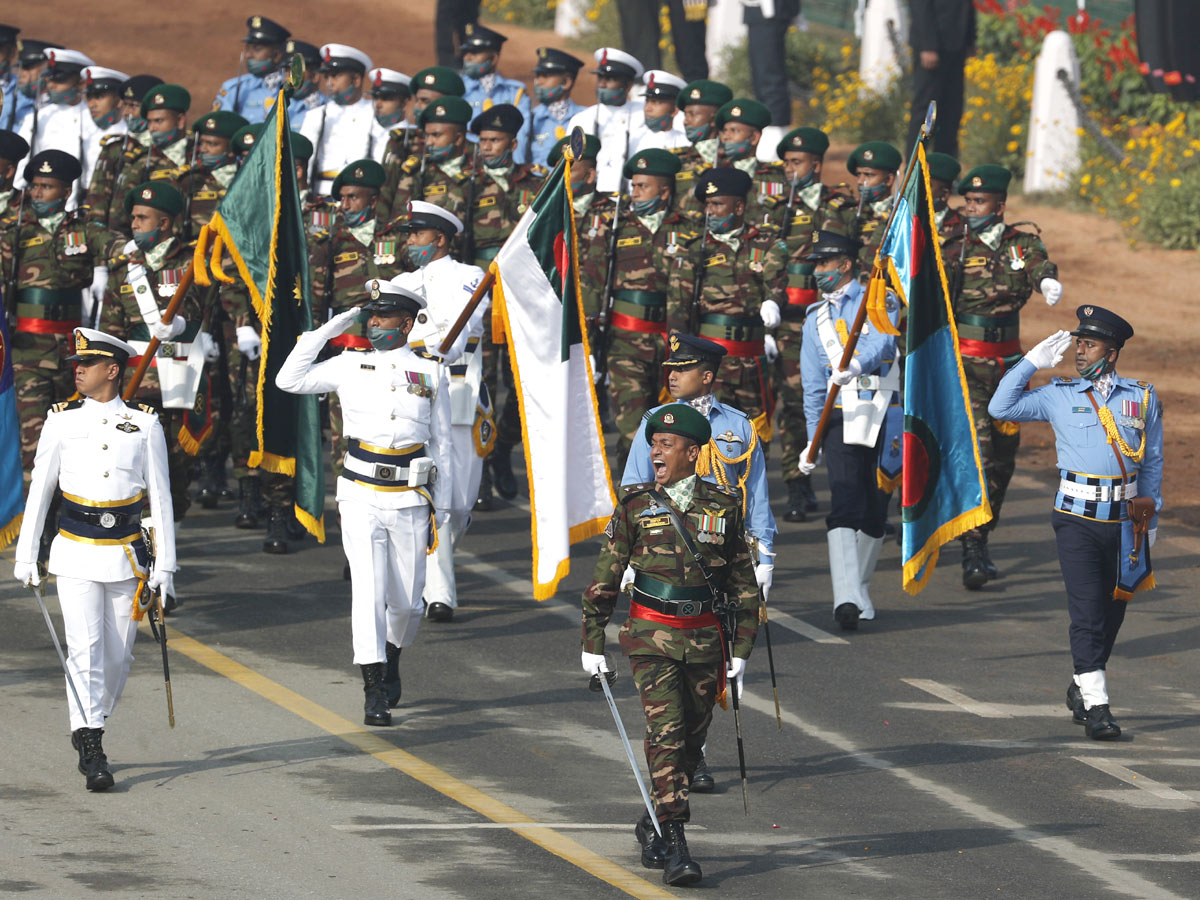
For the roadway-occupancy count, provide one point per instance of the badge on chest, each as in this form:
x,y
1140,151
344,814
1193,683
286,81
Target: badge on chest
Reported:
x,y
711,529
420,384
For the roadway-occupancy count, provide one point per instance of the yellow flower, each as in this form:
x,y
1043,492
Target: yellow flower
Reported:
x,y
1086,179
1012,146
1016,129
1175,182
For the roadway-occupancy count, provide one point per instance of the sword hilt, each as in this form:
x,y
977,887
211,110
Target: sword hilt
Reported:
x,y
594,681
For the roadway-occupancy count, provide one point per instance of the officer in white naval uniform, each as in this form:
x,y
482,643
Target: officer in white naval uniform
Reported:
x,y
102,96
664,119
340,130
106,456
618,121
397,479
62,123
446,286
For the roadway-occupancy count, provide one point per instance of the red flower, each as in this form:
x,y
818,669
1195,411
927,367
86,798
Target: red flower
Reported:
x,y
1172,78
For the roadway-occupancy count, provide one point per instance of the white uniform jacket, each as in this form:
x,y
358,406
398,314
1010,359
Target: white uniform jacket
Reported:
x,y
340,135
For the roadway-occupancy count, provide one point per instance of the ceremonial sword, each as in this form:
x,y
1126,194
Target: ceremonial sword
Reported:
x,y
604,683
37,592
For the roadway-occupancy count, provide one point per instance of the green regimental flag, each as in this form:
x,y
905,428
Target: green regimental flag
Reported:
x,y
259,223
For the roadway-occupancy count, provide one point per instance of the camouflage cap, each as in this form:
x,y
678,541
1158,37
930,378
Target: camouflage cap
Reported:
x,y
744,110
663,163
247,136
439,78
160,195
591,149
987,179
55,164
804,140
222,123
681,419
874,155
943,166
360,173
167,96
704,92
454,110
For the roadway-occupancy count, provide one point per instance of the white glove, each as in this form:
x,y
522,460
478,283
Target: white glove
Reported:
x,y
1151,537
842,377
1051,289
169,331
594,662
341,323
211,351
806,467
161,582
769,311
626,579
248,341
770,348
1049,353
737,671
440,518
26,574
764,574
99,284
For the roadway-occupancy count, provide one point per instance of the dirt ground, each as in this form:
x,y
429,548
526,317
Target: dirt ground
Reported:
x,y
196,44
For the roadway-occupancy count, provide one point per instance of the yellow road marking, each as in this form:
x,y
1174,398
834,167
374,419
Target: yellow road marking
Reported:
x,y
414,767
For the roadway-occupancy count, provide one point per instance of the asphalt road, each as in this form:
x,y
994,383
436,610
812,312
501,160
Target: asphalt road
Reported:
x,y
928,755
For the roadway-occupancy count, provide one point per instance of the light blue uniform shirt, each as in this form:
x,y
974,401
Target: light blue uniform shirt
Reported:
x,y
297,109
16,105
547,125
731,430
504,90
254,95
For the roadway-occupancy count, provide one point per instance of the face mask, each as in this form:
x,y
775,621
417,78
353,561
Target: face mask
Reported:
x,y
109,118
721,224
803,182
697,133
45,208
305,90
346,97
1100,367
28,89
440,154
659,123
503,161
978,223
827,282
384,338
358,217
479,69
735,150
581,188
549,94
420,255
146,239
64,98
136,124
873,193
212,161
611,96
259,67
390,119
648,207
162,138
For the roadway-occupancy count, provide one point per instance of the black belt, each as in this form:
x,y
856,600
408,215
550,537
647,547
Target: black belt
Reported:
x,y
672,599
106,519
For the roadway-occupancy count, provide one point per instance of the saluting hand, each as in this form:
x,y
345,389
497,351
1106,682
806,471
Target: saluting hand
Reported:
x,y
1049,353
341,323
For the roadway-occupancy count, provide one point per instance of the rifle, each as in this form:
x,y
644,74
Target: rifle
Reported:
x,y
787,213
956,285
698,282
316,161
187,200
10,285
418,189
606,303
468,235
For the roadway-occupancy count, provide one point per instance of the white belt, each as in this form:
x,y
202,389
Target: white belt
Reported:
x,y
166,350
866,382
1101,493
378,470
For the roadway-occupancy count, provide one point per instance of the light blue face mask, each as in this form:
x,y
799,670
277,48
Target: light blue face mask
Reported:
x,y
146,240
611,96
420,255
873,193
648,207
479,69
550,94
43,209
721,224
503,161
359,216
162,138
827,282
260,67
735,150
384,339
979,223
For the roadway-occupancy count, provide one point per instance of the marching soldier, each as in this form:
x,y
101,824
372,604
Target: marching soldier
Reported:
x,y
875,165
308,96
342,131
994,268
115,155
13,149
204,185
32,62
433,83
1109,494
857,508
446,286
102,95
252,93
718,289
442,173
390,96
673,635
809,206
943,173
664,122
108,457
393,495
485,87
616,119
740,124
553,80
8,71
700,101
593,214
61,121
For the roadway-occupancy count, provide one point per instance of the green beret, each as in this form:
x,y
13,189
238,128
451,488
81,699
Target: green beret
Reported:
x,y
988,178
653,162
440,79
360,173
943,166
160,195
679,418
808,140
166,96
246,137
302,148
708,93
874,155
455,110
221,123
744,110
591,149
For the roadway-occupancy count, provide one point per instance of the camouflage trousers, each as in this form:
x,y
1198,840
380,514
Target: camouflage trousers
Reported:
x,y
789,395
496,366
744,382
41,377
635,379
998,441
243,429
677,699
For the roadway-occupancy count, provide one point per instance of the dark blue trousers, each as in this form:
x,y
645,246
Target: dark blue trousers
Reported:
x,y
855,500
1089,555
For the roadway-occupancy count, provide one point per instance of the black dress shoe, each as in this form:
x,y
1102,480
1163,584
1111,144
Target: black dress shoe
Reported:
x,y
1075,704
679,868
440,612
654,848
702,780
391,676
846,615
1100,725
375,708
95,763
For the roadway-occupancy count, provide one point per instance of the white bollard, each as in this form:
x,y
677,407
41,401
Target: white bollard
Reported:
x,y
878,64
570,18
1053,151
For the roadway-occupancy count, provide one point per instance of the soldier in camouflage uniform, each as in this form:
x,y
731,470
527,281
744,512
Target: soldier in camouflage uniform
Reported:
x,y
120,151
593,215
875,165
943,173
992,273
700,102
809,206
735,263
672,637
204,184
13,149
441,175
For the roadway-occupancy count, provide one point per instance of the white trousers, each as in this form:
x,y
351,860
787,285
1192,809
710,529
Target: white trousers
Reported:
x,y
440,585
100,630
386,552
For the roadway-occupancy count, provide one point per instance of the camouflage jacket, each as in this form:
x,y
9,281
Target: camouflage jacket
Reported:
x,y
764,203
115,155
816,207
61,260
995,270
950,224
735,281
202,193
592,232
497,211
406,182
341,265
640,534
644,258
153,165
321,216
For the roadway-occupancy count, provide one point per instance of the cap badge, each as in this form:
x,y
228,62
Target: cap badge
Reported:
x,y
976,181
50,56
1087,311
46,167
674,342
159,99
541,52
736,111
378,77
429,78
604,57
358,172
669,419
797,141
375,289
641,163
711,188
439,111
650,83
290,47
81,341
249,138
470,29
147,194
256,22
695,94
868,155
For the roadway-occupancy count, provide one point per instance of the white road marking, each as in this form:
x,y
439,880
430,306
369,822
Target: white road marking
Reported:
x,y
1141,782
802,628
486,826
999,710
1158,857
957,698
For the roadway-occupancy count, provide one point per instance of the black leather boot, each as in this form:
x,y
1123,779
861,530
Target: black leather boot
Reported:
x,y
654,848
702,779
391,677
986,558
503,478
276,540
679,867
485,502
249,493
974,572
209,492
95,763
810,497
77,743
795,502
375,709
1075,704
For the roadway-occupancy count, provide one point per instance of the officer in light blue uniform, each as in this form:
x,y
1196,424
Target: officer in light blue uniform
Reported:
x,y
485,87
1108,435
857,508
309,96
8,68
251,94
31,55
553,79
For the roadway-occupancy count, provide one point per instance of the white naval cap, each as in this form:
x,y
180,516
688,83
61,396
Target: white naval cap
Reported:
x,y
662,84
382,79
429,215
343,56
388,297
90,344
611,61
67,61
102,79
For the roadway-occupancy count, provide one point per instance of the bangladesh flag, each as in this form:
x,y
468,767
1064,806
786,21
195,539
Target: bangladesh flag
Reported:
x,y
536,301
259,223
12,504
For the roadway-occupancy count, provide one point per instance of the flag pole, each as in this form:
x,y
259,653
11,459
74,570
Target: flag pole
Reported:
x,y
860,319
147,357
465,316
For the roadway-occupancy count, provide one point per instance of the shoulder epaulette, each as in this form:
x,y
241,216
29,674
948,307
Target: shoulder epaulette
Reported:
x,y
688,237
1062,379
632,490
540,170
67,404
425,354
1012,229
109,138
411,164
837,201
680,151
160,174
734,409
142,406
